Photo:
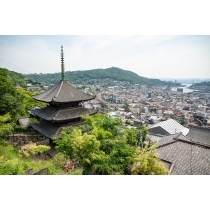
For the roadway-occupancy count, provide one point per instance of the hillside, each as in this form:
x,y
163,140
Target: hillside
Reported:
x,y
16,78
202,86
87,76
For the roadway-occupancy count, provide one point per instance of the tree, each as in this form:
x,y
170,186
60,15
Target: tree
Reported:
x,y
11,100
83,148
105,122
132,136
28,101
11,166
143,131
38,149
126,106
5,125
147,163
183,121
86,150
101,148
64,142
105,146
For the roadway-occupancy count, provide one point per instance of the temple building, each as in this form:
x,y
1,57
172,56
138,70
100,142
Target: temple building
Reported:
x,y
65,106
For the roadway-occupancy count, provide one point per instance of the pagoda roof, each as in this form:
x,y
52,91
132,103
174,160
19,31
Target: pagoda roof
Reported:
x,y
50,130
63,92
46,128
61,114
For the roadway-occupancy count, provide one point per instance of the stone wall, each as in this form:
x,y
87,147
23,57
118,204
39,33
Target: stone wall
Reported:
x,y
20,139
43,171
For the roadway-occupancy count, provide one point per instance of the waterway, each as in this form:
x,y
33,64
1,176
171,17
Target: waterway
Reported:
x,y
185,88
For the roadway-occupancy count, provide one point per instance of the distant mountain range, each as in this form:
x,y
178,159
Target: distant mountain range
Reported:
x,y
87,76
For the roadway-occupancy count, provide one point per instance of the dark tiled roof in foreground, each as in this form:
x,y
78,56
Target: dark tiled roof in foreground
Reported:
x,y
187,156
199,133
63,92
61,114
50,130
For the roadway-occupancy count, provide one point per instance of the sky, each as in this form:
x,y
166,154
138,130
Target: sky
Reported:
x,y
154,56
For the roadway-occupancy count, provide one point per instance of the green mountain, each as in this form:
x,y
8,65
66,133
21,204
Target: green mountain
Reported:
x,y
16,78
87,76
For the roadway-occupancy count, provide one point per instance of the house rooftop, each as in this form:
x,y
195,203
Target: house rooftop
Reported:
x,y
170,127
187,157
199,133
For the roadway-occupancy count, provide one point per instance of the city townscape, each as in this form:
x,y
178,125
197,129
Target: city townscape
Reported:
x,y
168,112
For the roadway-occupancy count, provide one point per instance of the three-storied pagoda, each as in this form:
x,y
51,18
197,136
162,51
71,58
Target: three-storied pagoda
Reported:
x,y
64,106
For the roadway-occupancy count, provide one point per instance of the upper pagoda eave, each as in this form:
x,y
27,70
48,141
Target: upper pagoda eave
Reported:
x,y
64,114
63,92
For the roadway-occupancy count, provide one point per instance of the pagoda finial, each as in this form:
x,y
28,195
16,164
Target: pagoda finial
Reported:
x,y
62,63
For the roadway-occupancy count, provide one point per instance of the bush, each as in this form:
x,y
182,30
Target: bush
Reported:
x,y
36,150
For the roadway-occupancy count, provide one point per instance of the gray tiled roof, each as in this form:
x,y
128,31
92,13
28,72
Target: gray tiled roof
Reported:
x,y
200,134
167,139
61,114
46,128
50,130
63,92
188,157
171,126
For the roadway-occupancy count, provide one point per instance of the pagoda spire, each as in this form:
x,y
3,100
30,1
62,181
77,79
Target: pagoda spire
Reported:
x,y
62,64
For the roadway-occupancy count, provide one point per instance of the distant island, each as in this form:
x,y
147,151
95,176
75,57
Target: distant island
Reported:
x,y
89,76
202,86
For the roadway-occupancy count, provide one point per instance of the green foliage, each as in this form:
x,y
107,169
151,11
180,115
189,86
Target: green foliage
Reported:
x,y
10,166
12,161
103,150
183,121
14,103
7,150
6,85
132,136
81,147
108,147
56,165
5,125
147,163
105,122
64,142
76,172
126,107
11,100
17,78
37,150
120,157
143,131
28,101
